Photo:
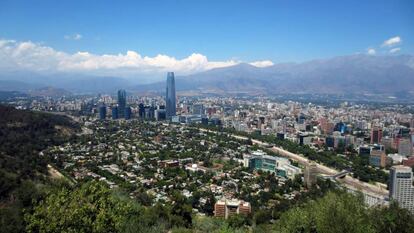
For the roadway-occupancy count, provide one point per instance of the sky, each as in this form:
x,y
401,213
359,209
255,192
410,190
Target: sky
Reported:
x,y
190,36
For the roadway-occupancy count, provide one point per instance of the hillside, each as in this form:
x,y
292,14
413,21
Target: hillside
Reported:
x,y
23,134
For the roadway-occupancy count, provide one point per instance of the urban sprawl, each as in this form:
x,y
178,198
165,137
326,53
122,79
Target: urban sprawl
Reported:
x,y
230,155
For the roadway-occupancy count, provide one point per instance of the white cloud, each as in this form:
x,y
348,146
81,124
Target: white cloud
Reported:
x,y
73,37
394,50
392,41
263,63
371,51
35,57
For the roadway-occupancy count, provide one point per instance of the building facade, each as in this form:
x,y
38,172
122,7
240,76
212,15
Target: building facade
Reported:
x,y
170,97
225,208
121,103
280,166
102,112
115,113
376,135
401,187
405,147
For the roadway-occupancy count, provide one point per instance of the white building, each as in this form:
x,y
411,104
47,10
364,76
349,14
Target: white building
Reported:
x,y
405,147
401,188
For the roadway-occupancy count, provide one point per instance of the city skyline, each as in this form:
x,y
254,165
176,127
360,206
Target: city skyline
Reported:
x,y
207,116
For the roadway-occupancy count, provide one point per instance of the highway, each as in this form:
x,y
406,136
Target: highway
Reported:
x,y
348,181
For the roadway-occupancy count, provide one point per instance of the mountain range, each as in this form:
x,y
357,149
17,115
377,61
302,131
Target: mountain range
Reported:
x,y
359,74
354,74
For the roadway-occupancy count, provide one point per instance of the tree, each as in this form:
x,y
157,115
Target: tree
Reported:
x,y
392,219
237,220
91,207
262,216
335,212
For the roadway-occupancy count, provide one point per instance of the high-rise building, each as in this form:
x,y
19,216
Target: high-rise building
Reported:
x,y
170,96
102,112
198,109
115,113
141,110
128,113
405,147
121,103
376,135
160,113
226,208
401,188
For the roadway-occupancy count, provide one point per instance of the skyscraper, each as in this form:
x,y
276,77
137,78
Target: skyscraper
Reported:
x,y
121,103
141,110
401,188
115,112
102,112
128,113
170,96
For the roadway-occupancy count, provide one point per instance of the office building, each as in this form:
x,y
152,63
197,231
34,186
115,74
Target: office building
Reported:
x,y
405,147
198,109
280,166
121,103
102,112
401,186
170,97
377,158
225,208
141,110
160,114
128,113
376,135
115,112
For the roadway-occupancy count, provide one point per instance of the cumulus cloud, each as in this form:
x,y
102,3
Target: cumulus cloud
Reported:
x,y
392,41
371,51
395,50
73,37
35,57
263,63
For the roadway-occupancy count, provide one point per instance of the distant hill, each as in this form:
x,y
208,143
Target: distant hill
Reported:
x,y
49,91
360,74
35,84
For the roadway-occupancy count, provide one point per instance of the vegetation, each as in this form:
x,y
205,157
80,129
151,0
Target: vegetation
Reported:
x,y
30,202
23,134
93,207
344,212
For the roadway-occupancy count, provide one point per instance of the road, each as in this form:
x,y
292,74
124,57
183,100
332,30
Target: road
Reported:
x,y
377,190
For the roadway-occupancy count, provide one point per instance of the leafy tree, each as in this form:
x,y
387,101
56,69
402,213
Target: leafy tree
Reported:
x,y
237,220
392,219
335,212
89,208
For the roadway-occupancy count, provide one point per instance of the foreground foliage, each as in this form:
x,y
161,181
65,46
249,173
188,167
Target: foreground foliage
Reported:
x,y
93,207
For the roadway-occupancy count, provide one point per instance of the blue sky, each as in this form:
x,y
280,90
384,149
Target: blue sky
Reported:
x,y
280,31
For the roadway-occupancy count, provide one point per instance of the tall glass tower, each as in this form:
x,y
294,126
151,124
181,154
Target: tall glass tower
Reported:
x,y
170,96
121,103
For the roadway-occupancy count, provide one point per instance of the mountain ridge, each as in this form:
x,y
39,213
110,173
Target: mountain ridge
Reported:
x,y
358,73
